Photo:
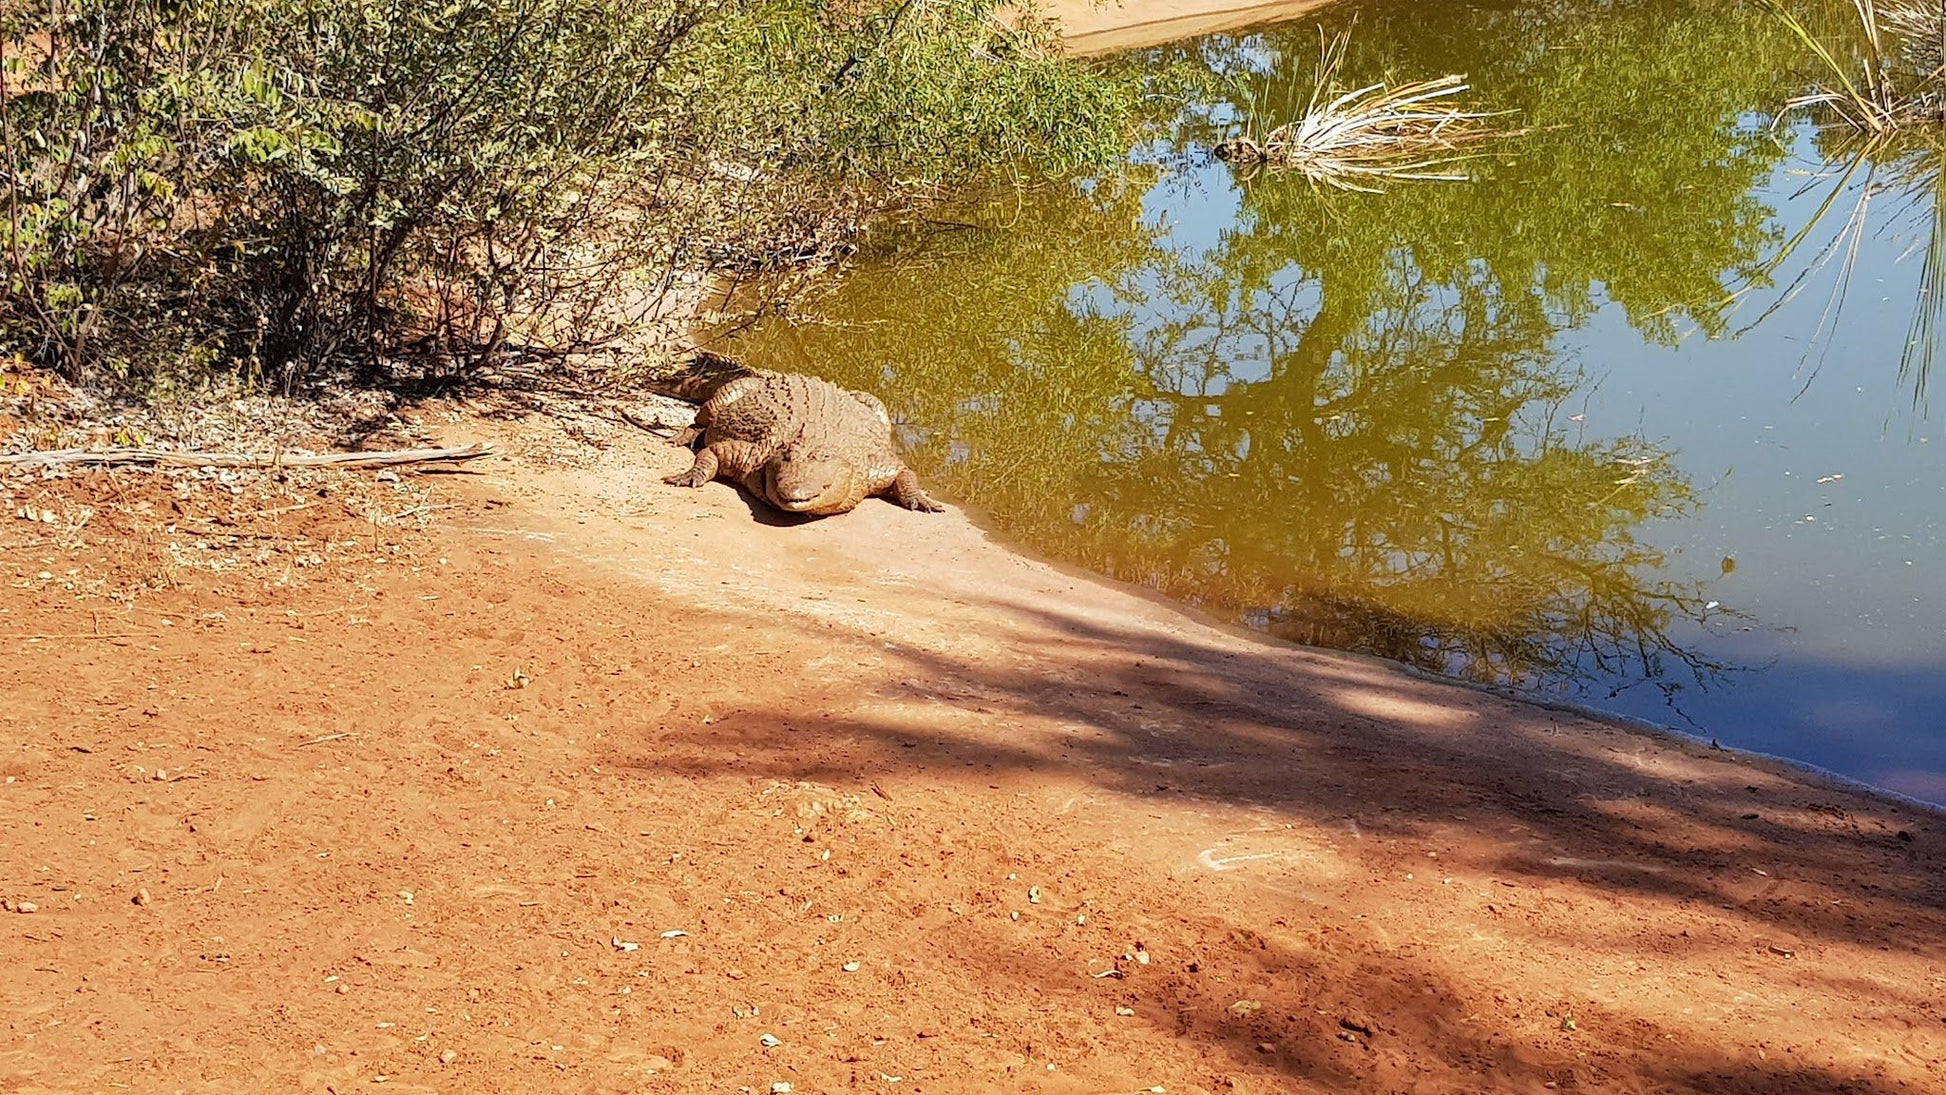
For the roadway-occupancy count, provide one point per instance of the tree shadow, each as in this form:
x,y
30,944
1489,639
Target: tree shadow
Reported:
x,y
1314,736
1564,808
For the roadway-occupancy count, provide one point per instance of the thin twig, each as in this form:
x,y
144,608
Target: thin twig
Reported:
x,y
328,737
82,635
220,532
162,458
656,428
321,612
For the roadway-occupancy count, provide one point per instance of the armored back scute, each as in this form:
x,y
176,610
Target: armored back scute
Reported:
x,y
699,376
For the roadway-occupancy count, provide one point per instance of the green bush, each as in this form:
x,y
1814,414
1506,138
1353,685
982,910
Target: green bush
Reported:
x,y
918,92
276,186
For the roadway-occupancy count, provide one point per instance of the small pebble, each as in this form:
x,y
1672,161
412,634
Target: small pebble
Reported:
x,y
1125,1012
851,967
781,1087
770,1041
142,897
449,1056
26,907
343,989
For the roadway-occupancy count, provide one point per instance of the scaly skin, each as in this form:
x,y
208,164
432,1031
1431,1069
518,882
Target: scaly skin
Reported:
x,y
802,444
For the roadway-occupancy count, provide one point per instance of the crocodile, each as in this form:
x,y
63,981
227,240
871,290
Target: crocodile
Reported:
x,y
802,444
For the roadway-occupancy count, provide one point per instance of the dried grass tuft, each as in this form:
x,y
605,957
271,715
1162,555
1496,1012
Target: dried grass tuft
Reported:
x,y
1895,77
1355,139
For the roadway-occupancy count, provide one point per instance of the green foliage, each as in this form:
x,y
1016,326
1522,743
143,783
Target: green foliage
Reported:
x,y
280,185
920,90
824,112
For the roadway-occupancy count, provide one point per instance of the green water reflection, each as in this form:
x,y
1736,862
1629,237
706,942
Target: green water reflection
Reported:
x,y
1340,417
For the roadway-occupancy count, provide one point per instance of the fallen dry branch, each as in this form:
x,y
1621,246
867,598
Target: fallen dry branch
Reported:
x,y
163,458
46,636
327,737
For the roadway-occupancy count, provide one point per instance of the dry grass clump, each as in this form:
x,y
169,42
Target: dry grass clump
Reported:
x,y
1894,72
1353,139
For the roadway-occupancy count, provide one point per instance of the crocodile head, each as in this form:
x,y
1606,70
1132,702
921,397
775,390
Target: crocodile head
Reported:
x,y
809,479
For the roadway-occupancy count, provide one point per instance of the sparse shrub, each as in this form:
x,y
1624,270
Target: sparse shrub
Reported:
x,y
279,186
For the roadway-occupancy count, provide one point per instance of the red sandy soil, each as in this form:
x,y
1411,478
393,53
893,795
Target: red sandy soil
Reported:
x,y
933,817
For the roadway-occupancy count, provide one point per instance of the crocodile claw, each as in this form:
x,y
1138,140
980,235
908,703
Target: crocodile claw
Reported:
x,y
907,492
702,471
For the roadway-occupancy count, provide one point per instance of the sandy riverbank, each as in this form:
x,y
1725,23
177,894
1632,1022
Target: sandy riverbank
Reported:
x,y
424,806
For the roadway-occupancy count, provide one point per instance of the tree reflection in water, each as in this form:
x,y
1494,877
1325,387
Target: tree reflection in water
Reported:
x,y
1340,417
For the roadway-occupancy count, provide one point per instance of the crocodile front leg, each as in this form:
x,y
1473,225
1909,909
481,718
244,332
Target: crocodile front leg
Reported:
x,y
907,492
702,471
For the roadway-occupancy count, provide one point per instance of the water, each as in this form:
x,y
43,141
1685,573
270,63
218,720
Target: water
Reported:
x,y
1587,425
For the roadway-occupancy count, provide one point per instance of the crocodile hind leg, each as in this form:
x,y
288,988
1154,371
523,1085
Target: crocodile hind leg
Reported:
x,y
702,471
906,492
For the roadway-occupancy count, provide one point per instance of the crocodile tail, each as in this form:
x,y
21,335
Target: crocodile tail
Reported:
x,y
700,376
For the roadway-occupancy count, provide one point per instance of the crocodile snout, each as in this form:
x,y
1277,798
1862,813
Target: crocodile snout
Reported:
x,y
800,495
